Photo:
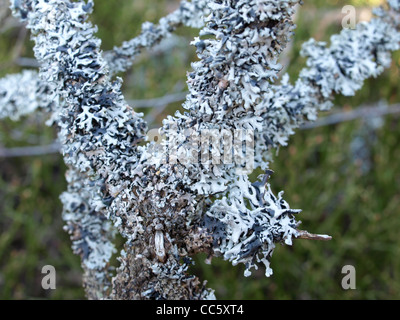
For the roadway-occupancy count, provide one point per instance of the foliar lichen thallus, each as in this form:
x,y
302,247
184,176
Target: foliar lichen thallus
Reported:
x,y
170,210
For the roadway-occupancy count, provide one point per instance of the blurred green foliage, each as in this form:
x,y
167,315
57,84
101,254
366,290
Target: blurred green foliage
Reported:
x,y
345,177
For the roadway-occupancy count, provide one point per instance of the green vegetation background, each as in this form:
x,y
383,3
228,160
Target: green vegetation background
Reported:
x,y
345,177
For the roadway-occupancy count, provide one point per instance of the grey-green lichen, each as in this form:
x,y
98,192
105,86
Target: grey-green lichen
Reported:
x,y
164,199
23,93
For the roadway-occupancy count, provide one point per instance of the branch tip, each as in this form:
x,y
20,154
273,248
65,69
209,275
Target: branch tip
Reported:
x,y
302,234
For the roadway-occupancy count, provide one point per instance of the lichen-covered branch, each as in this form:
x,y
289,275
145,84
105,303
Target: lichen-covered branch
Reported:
x,y
190,192
99,145
92,235
188,13
23,93
341,68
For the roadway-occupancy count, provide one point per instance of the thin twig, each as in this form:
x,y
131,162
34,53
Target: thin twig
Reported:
x,y
302,234
158,105
19,44
27,62
158,102
361,112
30,151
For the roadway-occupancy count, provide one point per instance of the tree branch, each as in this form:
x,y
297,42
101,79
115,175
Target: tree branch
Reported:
x,y
189,14
302,234
359,112
30,151
158,196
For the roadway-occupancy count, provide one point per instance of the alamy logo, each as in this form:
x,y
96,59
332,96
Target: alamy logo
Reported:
x,y
206,147
349,20
349,280
49,280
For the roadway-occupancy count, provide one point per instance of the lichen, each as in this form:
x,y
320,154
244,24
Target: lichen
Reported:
x,y
23,93
182,196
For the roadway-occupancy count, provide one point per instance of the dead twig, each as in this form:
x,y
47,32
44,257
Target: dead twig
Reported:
x,y
302,234
30,151
360,112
